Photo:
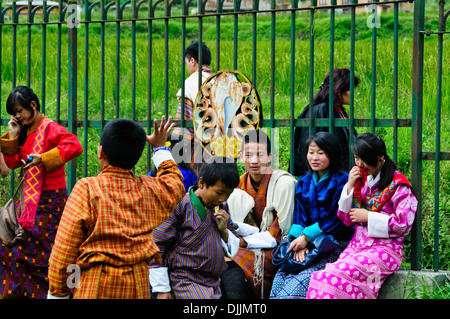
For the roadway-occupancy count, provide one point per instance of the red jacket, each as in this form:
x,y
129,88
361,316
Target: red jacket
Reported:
x,y
60,147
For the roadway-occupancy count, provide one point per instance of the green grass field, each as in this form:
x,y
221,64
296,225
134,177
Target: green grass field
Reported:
x,y
282,84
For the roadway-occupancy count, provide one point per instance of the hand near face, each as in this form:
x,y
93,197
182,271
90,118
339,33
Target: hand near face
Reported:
x,y
353,176
14,126
222,219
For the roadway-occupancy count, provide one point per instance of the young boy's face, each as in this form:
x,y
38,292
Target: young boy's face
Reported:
x,y
191,65
256,159
212,195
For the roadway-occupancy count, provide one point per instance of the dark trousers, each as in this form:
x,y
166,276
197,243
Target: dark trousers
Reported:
x,y
234,284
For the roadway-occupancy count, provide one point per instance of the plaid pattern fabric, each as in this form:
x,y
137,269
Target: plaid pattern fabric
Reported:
x,y
24,268
107,230
102,281
245,258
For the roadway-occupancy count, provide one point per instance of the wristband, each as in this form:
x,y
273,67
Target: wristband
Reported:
x,y
161,148
311,232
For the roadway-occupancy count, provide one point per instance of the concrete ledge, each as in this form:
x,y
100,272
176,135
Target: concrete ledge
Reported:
x,y
409,284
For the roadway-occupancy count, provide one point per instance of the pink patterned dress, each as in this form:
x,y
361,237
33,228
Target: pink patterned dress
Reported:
x,y
376,249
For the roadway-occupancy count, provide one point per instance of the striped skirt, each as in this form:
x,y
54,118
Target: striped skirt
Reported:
x,y
295,286
358,273
193,285
24,268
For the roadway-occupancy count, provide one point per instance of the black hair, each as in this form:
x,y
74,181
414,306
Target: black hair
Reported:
x,y
341,84
222,169
123,142
22,95
257,136
369,147
180,154
330,145
192,52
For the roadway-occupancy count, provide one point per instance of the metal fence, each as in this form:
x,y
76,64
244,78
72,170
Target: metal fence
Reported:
x,y
84,58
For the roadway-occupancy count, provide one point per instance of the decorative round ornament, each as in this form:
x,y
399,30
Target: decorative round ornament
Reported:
x,y
226,107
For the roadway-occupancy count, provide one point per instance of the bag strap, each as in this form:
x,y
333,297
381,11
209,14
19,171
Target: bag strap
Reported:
x,y
20,188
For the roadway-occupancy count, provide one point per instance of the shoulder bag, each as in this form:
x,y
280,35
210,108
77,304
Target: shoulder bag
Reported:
x,y
11,232
319,248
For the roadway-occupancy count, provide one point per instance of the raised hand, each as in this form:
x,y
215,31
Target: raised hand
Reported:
x,y
160,133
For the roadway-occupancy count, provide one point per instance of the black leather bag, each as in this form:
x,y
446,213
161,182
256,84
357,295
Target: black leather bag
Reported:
x,y
319,248
11,232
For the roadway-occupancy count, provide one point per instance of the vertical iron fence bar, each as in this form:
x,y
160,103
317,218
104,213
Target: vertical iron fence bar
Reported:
x,y
200,43
102,64
14,70
254,40
133,60
237,7
311,65
437,150
87,18
416,125
272,72
374,69
292,104
44,56
58,63
134,16
14,44
183,61
30,20
395,80
117,88
352,81
331,79
149,76
72,94
219,10
166,56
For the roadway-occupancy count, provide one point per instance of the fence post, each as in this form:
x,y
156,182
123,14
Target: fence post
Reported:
x,y
416,125
72,89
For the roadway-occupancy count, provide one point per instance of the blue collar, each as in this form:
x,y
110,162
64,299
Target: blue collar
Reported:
x,y
316,176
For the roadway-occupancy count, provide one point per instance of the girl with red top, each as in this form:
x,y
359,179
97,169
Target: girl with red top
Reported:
x,y
23,271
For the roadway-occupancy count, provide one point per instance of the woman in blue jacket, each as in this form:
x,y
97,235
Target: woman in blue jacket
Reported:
x,y
316,202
